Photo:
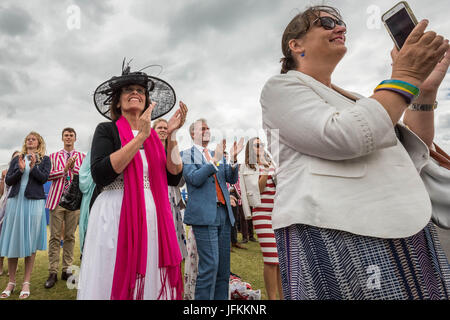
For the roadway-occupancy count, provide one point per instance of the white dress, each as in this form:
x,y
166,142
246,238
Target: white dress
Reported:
x,y
99,254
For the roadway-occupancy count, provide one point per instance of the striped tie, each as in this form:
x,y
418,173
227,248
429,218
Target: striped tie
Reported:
x,y
67,178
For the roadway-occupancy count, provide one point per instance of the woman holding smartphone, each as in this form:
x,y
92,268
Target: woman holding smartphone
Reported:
x,y
24,229
352,216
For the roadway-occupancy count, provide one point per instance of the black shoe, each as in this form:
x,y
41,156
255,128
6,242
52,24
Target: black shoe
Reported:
x,y
52,278
65,275
253,239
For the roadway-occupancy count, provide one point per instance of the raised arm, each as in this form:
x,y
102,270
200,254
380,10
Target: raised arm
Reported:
x,y
14,173
174,163
422,122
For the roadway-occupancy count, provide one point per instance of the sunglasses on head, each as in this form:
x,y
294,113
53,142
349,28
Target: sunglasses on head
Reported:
x,y
329,23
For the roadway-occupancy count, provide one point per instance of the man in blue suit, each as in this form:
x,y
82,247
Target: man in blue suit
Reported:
x,y
208,209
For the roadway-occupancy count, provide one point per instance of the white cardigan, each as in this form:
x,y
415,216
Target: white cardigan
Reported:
x,y
249,182
341,165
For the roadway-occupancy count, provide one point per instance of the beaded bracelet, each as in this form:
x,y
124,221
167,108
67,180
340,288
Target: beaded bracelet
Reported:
x,y
405,89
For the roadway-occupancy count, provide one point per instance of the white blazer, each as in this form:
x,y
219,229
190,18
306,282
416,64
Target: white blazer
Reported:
x,y
341,165
250,194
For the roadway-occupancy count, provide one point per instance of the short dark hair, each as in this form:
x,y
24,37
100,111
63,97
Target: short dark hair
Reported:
x,y
297,28
69,130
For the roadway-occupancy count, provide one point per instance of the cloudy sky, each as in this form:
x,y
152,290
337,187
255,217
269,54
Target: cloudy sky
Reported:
x,y
216,54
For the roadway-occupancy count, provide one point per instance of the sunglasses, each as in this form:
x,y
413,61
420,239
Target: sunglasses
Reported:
x,y
257,145
129,90
329,23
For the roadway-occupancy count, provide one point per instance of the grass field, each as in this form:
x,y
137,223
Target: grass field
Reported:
x,y
248,264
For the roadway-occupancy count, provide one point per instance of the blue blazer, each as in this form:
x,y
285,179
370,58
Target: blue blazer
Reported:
x,y
38,177
201,205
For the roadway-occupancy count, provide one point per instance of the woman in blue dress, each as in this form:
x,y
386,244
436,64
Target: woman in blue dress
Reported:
x,y
24,229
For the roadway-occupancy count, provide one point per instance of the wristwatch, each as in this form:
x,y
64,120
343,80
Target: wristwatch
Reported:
x,y
423,107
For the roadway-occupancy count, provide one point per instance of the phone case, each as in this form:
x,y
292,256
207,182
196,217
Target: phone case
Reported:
x,y
410,12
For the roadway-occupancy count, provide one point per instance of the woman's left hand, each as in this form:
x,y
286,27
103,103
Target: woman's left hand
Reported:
x,y
32,160
434,80
178,119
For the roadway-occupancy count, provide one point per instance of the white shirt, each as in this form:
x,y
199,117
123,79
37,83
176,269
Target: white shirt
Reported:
x,y
202,149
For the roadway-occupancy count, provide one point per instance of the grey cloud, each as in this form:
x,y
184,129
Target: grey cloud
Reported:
x,y
12,138
15,21
95,12
444,121
7,83
7,110
195,20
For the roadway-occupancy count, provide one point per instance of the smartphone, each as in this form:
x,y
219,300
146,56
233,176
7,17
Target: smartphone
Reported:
x,y
399,22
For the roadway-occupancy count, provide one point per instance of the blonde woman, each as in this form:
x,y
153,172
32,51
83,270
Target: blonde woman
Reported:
x,y
24,227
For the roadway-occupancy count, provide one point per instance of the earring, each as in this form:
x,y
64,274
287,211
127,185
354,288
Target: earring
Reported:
x,y
302,54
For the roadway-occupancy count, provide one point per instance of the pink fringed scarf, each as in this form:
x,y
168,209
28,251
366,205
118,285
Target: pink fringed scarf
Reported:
x,y
131,259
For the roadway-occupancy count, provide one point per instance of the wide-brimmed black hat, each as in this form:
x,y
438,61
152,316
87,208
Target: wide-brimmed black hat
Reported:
x,y
159,91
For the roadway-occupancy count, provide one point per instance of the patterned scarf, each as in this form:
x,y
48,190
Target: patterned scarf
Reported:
x,y
131,259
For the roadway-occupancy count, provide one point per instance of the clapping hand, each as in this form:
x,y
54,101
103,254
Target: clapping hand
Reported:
x,y
32,160
70,164
218,153
145,122
22,163
236,149
434,80
178,119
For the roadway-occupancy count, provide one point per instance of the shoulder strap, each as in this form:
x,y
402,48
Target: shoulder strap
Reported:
x,y
441,157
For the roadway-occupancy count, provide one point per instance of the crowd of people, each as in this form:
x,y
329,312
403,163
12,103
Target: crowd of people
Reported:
x,y
355,188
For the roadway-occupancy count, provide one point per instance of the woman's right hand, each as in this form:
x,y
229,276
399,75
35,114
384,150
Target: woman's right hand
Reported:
x,y
145,122
21,163
419,55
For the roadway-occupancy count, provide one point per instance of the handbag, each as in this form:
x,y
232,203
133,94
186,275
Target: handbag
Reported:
x,y
71,200
436,177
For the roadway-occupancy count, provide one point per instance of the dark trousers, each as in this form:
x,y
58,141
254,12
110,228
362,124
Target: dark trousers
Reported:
x,y
246,226
234,229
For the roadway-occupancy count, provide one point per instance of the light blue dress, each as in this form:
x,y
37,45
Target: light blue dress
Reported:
x,y
24,229
87,187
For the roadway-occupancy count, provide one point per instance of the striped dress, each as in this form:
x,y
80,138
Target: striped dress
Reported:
x,y
318,263
262,222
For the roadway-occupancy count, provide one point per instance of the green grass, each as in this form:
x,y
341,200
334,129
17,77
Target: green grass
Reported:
x,y
248,264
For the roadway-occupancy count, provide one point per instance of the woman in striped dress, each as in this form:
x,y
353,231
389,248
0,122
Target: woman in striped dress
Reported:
x,y
259,185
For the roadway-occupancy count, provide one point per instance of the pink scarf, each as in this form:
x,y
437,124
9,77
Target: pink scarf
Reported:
x,y
131,259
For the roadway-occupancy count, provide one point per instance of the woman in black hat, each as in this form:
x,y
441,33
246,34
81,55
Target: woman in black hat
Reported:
x,y
131,250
